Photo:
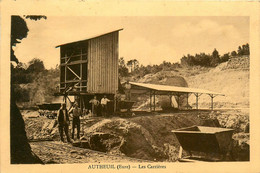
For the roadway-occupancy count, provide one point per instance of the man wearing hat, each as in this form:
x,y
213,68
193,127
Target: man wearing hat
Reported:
x,y
76,113
63,122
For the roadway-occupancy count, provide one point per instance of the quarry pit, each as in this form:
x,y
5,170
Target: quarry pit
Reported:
x,y
142,137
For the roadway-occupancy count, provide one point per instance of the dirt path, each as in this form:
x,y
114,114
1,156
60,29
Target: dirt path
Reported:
x,y
51,152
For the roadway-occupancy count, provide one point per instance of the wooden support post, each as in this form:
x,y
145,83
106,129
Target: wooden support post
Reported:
x,y
150,101
187,106
115,103
65,99
212,103
180,152
154,101
65,79
170,100
80,77
212,97
197,100
80,100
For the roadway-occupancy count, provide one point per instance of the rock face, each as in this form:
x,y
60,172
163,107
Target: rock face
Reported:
x,y
123,137
241,62
237,121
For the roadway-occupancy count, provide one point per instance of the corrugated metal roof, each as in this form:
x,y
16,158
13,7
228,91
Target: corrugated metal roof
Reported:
x,y
167,88
90,37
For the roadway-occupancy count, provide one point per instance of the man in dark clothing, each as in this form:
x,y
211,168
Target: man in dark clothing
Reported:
x,y
76,112
63,122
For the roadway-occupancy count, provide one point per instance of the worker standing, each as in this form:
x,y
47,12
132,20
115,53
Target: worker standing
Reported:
x,y
94,105
104,102
128,90
63,122
76,113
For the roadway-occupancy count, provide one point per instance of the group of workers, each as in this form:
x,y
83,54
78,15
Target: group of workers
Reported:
x,y
63,116
76,112
64,122
95,104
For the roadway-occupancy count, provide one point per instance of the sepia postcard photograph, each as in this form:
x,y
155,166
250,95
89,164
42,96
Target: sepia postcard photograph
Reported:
x,y
130,91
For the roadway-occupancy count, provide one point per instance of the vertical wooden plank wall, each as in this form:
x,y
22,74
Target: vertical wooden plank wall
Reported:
x,y
103,64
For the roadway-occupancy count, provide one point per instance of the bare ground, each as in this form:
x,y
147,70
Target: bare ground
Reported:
x,y
55,152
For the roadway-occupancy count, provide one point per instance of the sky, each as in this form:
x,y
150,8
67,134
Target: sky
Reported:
x,y
150,40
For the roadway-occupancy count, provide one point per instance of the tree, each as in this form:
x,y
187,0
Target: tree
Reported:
x,y
122,69
225,57
135,63
19,31
246,50
19,74
35,66
215,58
240,51
20,148
233,53
130,65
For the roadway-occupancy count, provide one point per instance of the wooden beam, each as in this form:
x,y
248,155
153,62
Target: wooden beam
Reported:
x,y
72,81
67,61
73,56
73,72
70,101
75,62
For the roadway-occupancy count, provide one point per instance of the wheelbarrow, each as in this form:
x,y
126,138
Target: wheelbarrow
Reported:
x,y
207,143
